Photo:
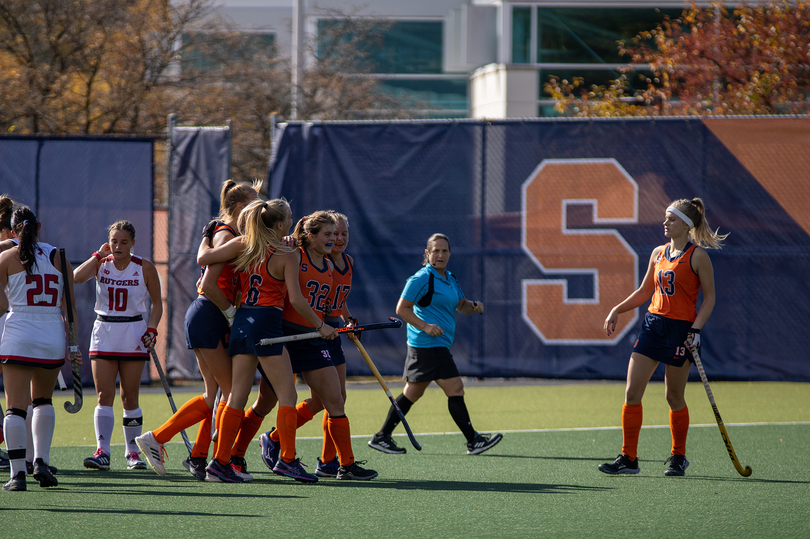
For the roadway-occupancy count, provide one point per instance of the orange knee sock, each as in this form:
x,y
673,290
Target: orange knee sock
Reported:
x,y
228,428
188,415
304,416
203,442
632,416
341,434
286,422
679,426
250,426
329,451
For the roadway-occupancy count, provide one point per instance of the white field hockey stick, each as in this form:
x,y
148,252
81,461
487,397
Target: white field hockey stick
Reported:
x,y
392,323
168,391
743,472
379,378
78,390
60,380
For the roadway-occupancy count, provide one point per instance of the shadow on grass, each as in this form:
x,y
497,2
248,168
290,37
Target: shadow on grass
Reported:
x,y
471,486
127,512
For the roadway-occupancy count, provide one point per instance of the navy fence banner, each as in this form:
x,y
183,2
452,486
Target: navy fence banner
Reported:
x,y
552,223
79,186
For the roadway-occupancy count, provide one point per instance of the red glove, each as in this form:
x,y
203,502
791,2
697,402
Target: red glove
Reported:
x,y
150,337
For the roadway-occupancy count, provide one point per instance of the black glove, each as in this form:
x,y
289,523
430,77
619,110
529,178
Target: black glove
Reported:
x,y
208,232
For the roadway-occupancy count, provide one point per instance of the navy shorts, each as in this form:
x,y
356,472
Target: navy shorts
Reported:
x,y
335,346
663,339
428,364
307,355
253,324
206,326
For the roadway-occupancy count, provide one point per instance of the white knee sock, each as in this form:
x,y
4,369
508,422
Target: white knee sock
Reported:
x,y
133,425
104,421
42,426
14,431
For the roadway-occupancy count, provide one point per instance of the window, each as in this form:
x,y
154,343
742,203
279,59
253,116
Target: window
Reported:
x,y
521,35
206,51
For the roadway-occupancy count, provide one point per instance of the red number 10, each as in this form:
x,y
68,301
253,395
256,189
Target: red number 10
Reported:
x,y
118,299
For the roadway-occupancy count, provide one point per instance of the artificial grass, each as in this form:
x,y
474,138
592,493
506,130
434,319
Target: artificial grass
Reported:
x,y
537,483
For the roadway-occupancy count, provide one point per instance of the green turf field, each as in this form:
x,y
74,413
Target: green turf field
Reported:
x,y
540,481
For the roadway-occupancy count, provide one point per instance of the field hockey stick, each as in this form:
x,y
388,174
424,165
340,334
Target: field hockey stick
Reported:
x,y
60,380
743,472
379,378
168,391
392,323
78,390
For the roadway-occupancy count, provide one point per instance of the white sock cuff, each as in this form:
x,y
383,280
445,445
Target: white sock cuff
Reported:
x,y
133,413
104,411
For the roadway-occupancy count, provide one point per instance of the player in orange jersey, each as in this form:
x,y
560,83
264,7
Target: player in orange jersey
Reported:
x,y
676,272
316,236
208,327
271,275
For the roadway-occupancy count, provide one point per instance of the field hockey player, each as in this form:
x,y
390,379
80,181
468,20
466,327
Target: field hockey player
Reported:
x,y
271,274
208,327
676,272
32,347
120,338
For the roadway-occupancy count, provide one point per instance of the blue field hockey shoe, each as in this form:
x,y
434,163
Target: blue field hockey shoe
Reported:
x,y
196,466
99,461
240,467
677,465
622,464
330,469
43,474
216,472
481,443
269,449
294,470
354,472
17,483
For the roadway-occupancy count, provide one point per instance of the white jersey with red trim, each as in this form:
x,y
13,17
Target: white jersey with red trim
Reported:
x,y
121,292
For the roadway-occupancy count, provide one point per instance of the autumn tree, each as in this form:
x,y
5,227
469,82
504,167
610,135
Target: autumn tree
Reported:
x,y
753,59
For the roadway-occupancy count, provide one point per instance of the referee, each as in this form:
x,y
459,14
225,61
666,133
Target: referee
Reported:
x,y
428,304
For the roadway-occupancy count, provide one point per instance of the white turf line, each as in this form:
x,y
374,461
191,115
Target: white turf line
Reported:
x,y
547,430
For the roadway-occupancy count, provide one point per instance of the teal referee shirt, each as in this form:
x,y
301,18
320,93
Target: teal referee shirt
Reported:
x,y
441,311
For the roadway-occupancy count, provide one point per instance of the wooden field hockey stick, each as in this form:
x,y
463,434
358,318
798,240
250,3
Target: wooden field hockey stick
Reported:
x,y
379,378
392,323
78,390
747,470
168,391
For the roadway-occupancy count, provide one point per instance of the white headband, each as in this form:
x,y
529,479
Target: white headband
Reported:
x,y
682,215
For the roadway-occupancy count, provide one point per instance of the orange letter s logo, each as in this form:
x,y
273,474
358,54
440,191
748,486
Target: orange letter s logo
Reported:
x,y
604,254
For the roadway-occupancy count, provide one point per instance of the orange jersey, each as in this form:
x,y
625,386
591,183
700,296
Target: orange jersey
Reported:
x,y
260,289
228,280
316,287
676,285
341,286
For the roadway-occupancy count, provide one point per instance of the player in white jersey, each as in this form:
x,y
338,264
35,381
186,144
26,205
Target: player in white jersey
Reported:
x,y
121,337
7,241
32,348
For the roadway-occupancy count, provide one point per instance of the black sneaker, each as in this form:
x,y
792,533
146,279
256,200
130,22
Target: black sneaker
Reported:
x,y
482,443
196,466
385,444
677,465
29,468
355,472
17,483
43,474
622,464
